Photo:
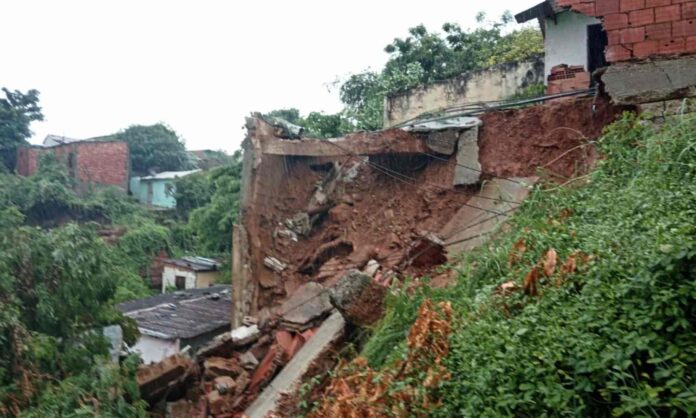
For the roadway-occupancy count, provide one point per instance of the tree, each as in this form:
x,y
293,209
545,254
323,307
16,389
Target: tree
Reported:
x,y
17,111
154,147
316,124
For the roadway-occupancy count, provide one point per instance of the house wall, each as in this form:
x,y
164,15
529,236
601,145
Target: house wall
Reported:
x,y
93,162
639,29
169,277
160,197
495,83
153,350
566,40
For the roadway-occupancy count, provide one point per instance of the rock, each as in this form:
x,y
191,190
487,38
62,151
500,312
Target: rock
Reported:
x,y
286,233
219,366
224,384
309,303
358,298
468,169
217,403
443,142
371,268
245,335
248,361
274,264
299,224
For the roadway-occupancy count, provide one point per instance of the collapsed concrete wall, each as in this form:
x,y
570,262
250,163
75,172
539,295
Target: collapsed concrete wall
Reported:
x,y
498,82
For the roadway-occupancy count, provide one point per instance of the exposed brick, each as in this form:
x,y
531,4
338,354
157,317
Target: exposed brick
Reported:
x,y
614,36
674,46
615,21
641,17
658,31
615,53
605,7
680,1
632,35
684,28
588,9
691,44
645,49
667,13
657,3
628,5
689,10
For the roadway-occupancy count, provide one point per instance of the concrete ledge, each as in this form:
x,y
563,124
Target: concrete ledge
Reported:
x,y
289,379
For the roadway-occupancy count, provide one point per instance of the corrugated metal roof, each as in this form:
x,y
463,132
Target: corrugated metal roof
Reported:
x,y
185,314
53,140
458,122
166,175
195,263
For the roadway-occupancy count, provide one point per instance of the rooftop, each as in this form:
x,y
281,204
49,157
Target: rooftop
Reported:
x,y
195,263
185,314
167,175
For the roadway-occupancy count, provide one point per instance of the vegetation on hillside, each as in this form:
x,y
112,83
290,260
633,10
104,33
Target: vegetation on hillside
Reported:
x,y
597,316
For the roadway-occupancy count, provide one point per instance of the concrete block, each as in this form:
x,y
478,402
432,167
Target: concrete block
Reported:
x,y
651,81
468,169
443,142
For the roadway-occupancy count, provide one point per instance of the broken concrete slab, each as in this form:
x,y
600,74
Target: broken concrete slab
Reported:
x,y
468,168
481,216
371,268
248,361
651,80
274,264
443,142
219,366
244,335
308,304
299,224
358,298
168,377
290,379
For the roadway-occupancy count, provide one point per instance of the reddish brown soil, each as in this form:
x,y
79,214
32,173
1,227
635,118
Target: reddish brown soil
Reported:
x,y
524,141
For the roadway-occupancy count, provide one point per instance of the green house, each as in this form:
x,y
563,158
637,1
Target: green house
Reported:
x,y
157,191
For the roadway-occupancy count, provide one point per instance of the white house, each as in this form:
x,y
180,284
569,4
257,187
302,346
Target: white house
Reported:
x,y
189,273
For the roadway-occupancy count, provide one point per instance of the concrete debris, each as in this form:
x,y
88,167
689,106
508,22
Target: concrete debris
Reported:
x,y
288,382
166,378
245,335
309,304
224,385
215,367
651,81
299,224
270,364
371,268
249,321
285,233
358,298
457,122
248,361
468,169
274,264
443,142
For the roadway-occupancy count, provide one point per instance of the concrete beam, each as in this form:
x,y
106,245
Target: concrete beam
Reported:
x,y
651,81
365,143
289,379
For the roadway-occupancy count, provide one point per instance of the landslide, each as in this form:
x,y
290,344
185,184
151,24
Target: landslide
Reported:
x,y
586,307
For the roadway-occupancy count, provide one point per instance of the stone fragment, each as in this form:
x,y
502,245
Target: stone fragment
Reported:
x,y
218,403
443,142
245,335
358,298
299,224
219,366
468,168
274,264
224,384
371,268
308,304
248,361
286,233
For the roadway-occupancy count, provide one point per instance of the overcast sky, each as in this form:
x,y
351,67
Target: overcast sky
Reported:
x,y
200,66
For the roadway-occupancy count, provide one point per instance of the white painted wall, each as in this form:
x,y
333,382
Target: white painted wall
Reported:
x,y
153,350
169,277
566,40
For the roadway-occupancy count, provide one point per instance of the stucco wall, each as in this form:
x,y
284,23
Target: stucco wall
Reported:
x,y
496,83
566,40
153,349
160,197
169,277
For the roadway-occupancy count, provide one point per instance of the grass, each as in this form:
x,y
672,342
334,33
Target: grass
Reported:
x,y
614,337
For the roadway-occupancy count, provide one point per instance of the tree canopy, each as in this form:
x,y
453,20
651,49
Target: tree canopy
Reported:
x,y
154,147
17,111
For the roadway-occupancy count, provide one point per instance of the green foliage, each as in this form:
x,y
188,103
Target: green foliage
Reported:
x,y
17,111
155,147
316,124
615,337
191,192
425,57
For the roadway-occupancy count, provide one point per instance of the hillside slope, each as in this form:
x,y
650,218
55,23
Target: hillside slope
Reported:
x,y
596,315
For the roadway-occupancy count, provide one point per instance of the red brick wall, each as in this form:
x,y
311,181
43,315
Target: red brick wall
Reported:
x,y
639,29
98,162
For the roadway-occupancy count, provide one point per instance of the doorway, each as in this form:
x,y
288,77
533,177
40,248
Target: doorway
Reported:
x,y
596,43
